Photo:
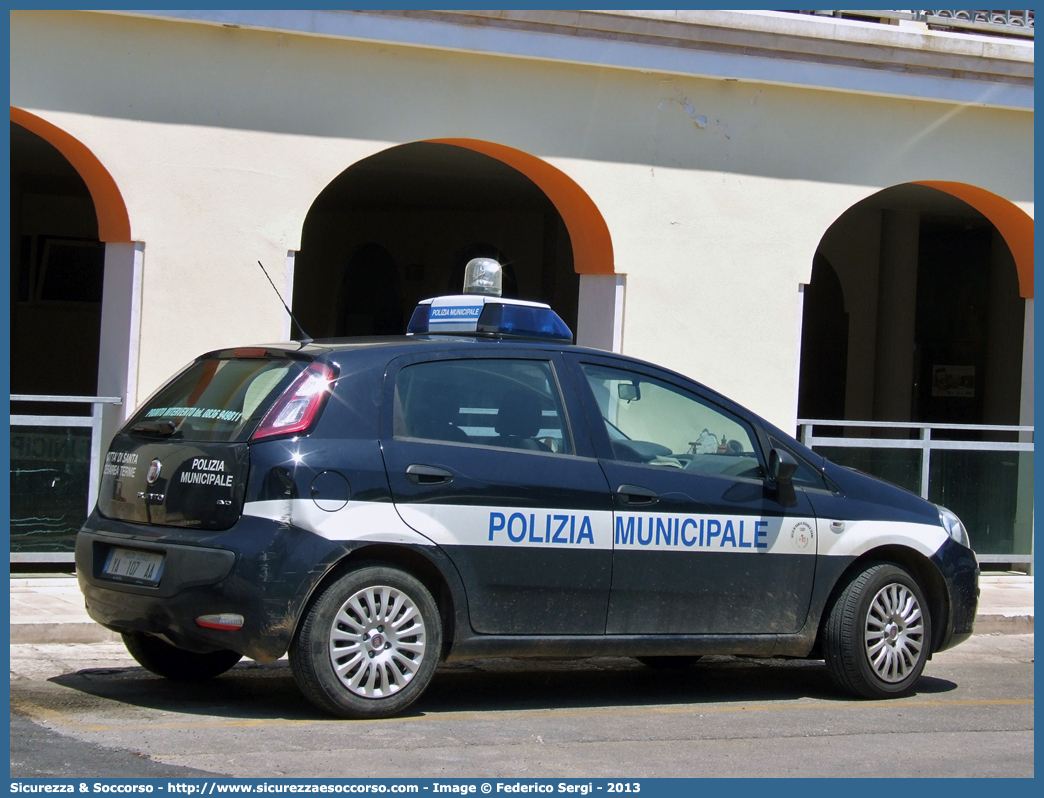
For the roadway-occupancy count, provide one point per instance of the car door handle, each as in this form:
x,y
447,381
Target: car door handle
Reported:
x,y
427,475
632,494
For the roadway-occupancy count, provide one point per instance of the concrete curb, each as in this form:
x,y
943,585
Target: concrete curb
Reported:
x,y
39,633
1003,624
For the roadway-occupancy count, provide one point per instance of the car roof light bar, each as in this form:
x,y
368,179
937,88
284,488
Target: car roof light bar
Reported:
x,y
488,316
481,310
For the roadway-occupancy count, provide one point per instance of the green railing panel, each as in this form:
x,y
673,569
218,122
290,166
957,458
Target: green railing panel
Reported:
x,y
50,478
983,473
901,467
991,492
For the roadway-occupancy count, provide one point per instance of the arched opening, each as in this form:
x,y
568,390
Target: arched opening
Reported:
x,y
592,245
75,300
112,218
58,267
400,226
824,344
936,281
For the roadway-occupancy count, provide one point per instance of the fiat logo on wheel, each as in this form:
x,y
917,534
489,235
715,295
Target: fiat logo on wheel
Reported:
x,y
154,471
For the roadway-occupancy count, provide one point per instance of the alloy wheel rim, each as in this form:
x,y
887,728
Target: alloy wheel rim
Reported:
x,y
894,633
377,641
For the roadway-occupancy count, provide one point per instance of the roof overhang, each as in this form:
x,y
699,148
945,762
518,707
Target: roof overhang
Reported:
x,y
753,46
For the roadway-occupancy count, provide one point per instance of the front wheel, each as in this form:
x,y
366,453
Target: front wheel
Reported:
x,y
877,636
369,645
177,664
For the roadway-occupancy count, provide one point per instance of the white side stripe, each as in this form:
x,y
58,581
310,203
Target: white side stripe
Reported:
x,y
859,537
528,527
376,522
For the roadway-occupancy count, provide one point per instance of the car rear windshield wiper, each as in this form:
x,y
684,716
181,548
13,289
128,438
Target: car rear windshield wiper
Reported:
x,y
161,429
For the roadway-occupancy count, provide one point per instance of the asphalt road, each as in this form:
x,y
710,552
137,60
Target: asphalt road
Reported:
x,y
88,710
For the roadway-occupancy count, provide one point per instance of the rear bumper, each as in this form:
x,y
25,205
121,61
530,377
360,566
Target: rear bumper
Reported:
x,y
260,569
960,572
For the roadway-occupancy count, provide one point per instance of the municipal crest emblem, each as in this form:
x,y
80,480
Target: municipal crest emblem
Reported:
x,y
802,536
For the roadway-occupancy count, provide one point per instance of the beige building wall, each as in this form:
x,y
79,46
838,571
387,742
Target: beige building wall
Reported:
x,y
716,193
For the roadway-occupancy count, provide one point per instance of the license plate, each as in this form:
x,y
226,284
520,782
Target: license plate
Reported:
x,y
134,566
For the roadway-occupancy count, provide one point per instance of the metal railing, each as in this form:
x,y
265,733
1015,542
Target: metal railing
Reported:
x,y
1018,24
979,17
93,421
926,443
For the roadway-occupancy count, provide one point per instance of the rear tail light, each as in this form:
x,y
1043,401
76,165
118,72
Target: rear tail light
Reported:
x,y
299,405
225,621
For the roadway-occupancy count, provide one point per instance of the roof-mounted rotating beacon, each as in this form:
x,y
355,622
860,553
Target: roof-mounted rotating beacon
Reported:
x,y
481,310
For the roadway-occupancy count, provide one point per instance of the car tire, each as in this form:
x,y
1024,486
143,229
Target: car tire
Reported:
x,y
878,633
174,663
669,663
369,645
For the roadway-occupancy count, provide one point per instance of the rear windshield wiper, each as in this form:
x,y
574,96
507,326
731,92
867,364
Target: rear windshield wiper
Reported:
x,y
161,429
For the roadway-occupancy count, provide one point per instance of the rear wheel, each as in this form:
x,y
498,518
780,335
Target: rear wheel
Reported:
x,y
174,663
877,635
369,645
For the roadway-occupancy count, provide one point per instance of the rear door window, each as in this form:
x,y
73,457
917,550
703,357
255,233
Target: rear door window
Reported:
x,y
514,404
215,399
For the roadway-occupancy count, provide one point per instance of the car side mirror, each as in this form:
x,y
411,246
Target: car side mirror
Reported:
x,y
629,391
781,470
781,465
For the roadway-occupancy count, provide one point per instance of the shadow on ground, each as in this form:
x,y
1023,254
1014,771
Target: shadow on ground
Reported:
x,y
266,691
38,752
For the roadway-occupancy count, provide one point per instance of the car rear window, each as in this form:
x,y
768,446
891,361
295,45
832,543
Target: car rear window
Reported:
x,y
215,399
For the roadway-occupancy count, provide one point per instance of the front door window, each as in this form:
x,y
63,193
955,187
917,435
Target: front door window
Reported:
x,y
655,423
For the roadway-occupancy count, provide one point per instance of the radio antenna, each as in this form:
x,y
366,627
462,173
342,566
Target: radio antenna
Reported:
x,y
307,338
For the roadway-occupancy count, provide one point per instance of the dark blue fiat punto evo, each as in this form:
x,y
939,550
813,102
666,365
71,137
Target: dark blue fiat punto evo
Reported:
x,y
483,488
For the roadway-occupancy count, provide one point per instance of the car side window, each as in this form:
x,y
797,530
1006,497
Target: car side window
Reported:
x,y
653,422
514,404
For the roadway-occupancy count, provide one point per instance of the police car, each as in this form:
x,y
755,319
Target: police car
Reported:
x,y
483,488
